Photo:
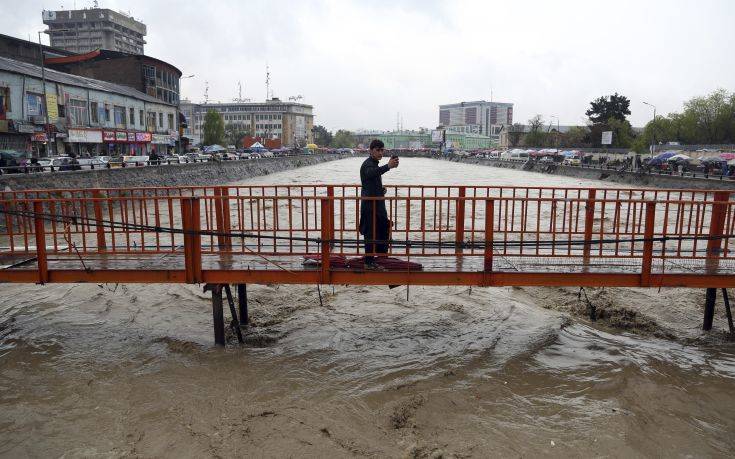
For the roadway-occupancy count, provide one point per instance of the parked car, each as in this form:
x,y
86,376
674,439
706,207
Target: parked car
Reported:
x,y
135,160
572,162
173,159
11,161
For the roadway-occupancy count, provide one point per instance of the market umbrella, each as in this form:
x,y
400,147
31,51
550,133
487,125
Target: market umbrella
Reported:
x,y
679,157
711,160
731,162
727,156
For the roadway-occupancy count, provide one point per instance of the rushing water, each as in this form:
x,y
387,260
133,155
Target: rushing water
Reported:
x,y
128,370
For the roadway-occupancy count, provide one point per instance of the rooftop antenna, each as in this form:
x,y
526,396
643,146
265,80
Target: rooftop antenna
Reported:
x,y
267,82
206,92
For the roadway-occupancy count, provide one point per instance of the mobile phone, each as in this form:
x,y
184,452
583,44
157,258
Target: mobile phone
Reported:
x,y
394,157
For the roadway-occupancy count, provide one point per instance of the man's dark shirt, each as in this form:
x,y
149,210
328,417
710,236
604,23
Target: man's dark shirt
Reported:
x,y
372,186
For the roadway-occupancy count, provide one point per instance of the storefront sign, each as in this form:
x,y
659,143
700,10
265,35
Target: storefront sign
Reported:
x,y
131,136
39,137
161,139
25,128
108,136
142,136
121,136
61,135
52,106
84,136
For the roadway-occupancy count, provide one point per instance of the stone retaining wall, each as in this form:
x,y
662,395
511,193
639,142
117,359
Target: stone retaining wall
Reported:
x,y
209,173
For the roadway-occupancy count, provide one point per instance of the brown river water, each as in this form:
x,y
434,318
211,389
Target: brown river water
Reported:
x,y
130,370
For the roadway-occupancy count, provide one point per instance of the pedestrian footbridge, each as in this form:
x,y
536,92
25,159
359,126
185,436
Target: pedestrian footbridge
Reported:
x,y
308,234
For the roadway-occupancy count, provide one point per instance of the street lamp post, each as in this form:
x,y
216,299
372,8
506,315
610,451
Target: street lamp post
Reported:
x,y
45,98
558,133
653,126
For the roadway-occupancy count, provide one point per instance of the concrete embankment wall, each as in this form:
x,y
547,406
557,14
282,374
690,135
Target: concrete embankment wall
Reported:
x,y
627,178
209,173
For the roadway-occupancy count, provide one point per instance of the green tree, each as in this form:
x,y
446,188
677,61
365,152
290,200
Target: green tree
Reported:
x,y
603,108
536,137
577,136
235,132
343,139
623,135
214,128
322,137
705,120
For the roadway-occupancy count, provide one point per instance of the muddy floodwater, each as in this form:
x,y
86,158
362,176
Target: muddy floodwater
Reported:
x,y
128,370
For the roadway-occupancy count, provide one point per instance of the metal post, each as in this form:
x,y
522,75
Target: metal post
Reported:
x,y
728,311
218,316
49,152
242,301
709,308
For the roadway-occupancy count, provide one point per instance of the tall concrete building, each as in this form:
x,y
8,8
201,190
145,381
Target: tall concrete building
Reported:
x,y
290,122
477,117
81,31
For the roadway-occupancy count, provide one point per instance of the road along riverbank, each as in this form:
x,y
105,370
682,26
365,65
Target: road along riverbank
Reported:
x,y
207,173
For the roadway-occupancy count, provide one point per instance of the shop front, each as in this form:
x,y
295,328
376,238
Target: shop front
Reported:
x,y
84,143
126,143
162,143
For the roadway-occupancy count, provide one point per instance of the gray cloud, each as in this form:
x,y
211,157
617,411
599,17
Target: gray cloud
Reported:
x,y
360,62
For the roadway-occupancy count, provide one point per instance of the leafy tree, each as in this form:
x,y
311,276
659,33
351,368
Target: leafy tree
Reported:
x,y
623,135
577,136
536,136
515,133
214,128
606,107
343,139
322,137
705,120
235,132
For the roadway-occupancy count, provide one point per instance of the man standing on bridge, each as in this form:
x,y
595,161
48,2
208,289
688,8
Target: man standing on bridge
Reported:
x,y
373,216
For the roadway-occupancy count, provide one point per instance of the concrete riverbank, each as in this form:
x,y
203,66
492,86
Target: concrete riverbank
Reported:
x,y
625,177
209,173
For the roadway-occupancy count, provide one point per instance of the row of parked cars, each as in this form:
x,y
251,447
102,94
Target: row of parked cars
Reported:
x,y
16,162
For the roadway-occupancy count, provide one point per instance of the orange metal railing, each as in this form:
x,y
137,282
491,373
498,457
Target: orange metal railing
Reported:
x,y
460,234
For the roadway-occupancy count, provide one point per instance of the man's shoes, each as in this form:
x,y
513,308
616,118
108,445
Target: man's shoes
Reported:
x,y
372,266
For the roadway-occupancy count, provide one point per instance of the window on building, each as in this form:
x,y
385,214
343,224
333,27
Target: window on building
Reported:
x,y
4,102
34,104
132,116
108,117
151,120
120,118
76,112
160,120
171,121
94,112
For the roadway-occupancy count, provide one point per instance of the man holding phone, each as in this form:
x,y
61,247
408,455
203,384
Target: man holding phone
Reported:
x,y
374,221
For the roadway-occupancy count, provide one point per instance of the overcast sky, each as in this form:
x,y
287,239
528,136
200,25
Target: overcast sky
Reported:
x,y
359,63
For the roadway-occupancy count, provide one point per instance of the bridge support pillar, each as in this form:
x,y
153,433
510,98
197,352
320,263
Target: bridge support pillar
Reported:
x,y
242,302
709,308
218,316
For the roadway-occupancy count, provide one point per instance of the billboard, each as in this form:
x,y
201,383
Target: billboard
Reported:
x,y
606,138
437,136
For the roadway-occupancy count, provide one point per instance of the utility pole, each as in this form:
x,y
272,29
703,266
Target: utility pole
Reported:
x,y
45,99
653,127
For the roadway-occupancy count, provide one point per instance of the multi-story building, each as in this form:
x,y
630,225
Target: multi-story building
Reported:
x,y
81,31
273,119
420,139
27,51
147,74
477,117
74,114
